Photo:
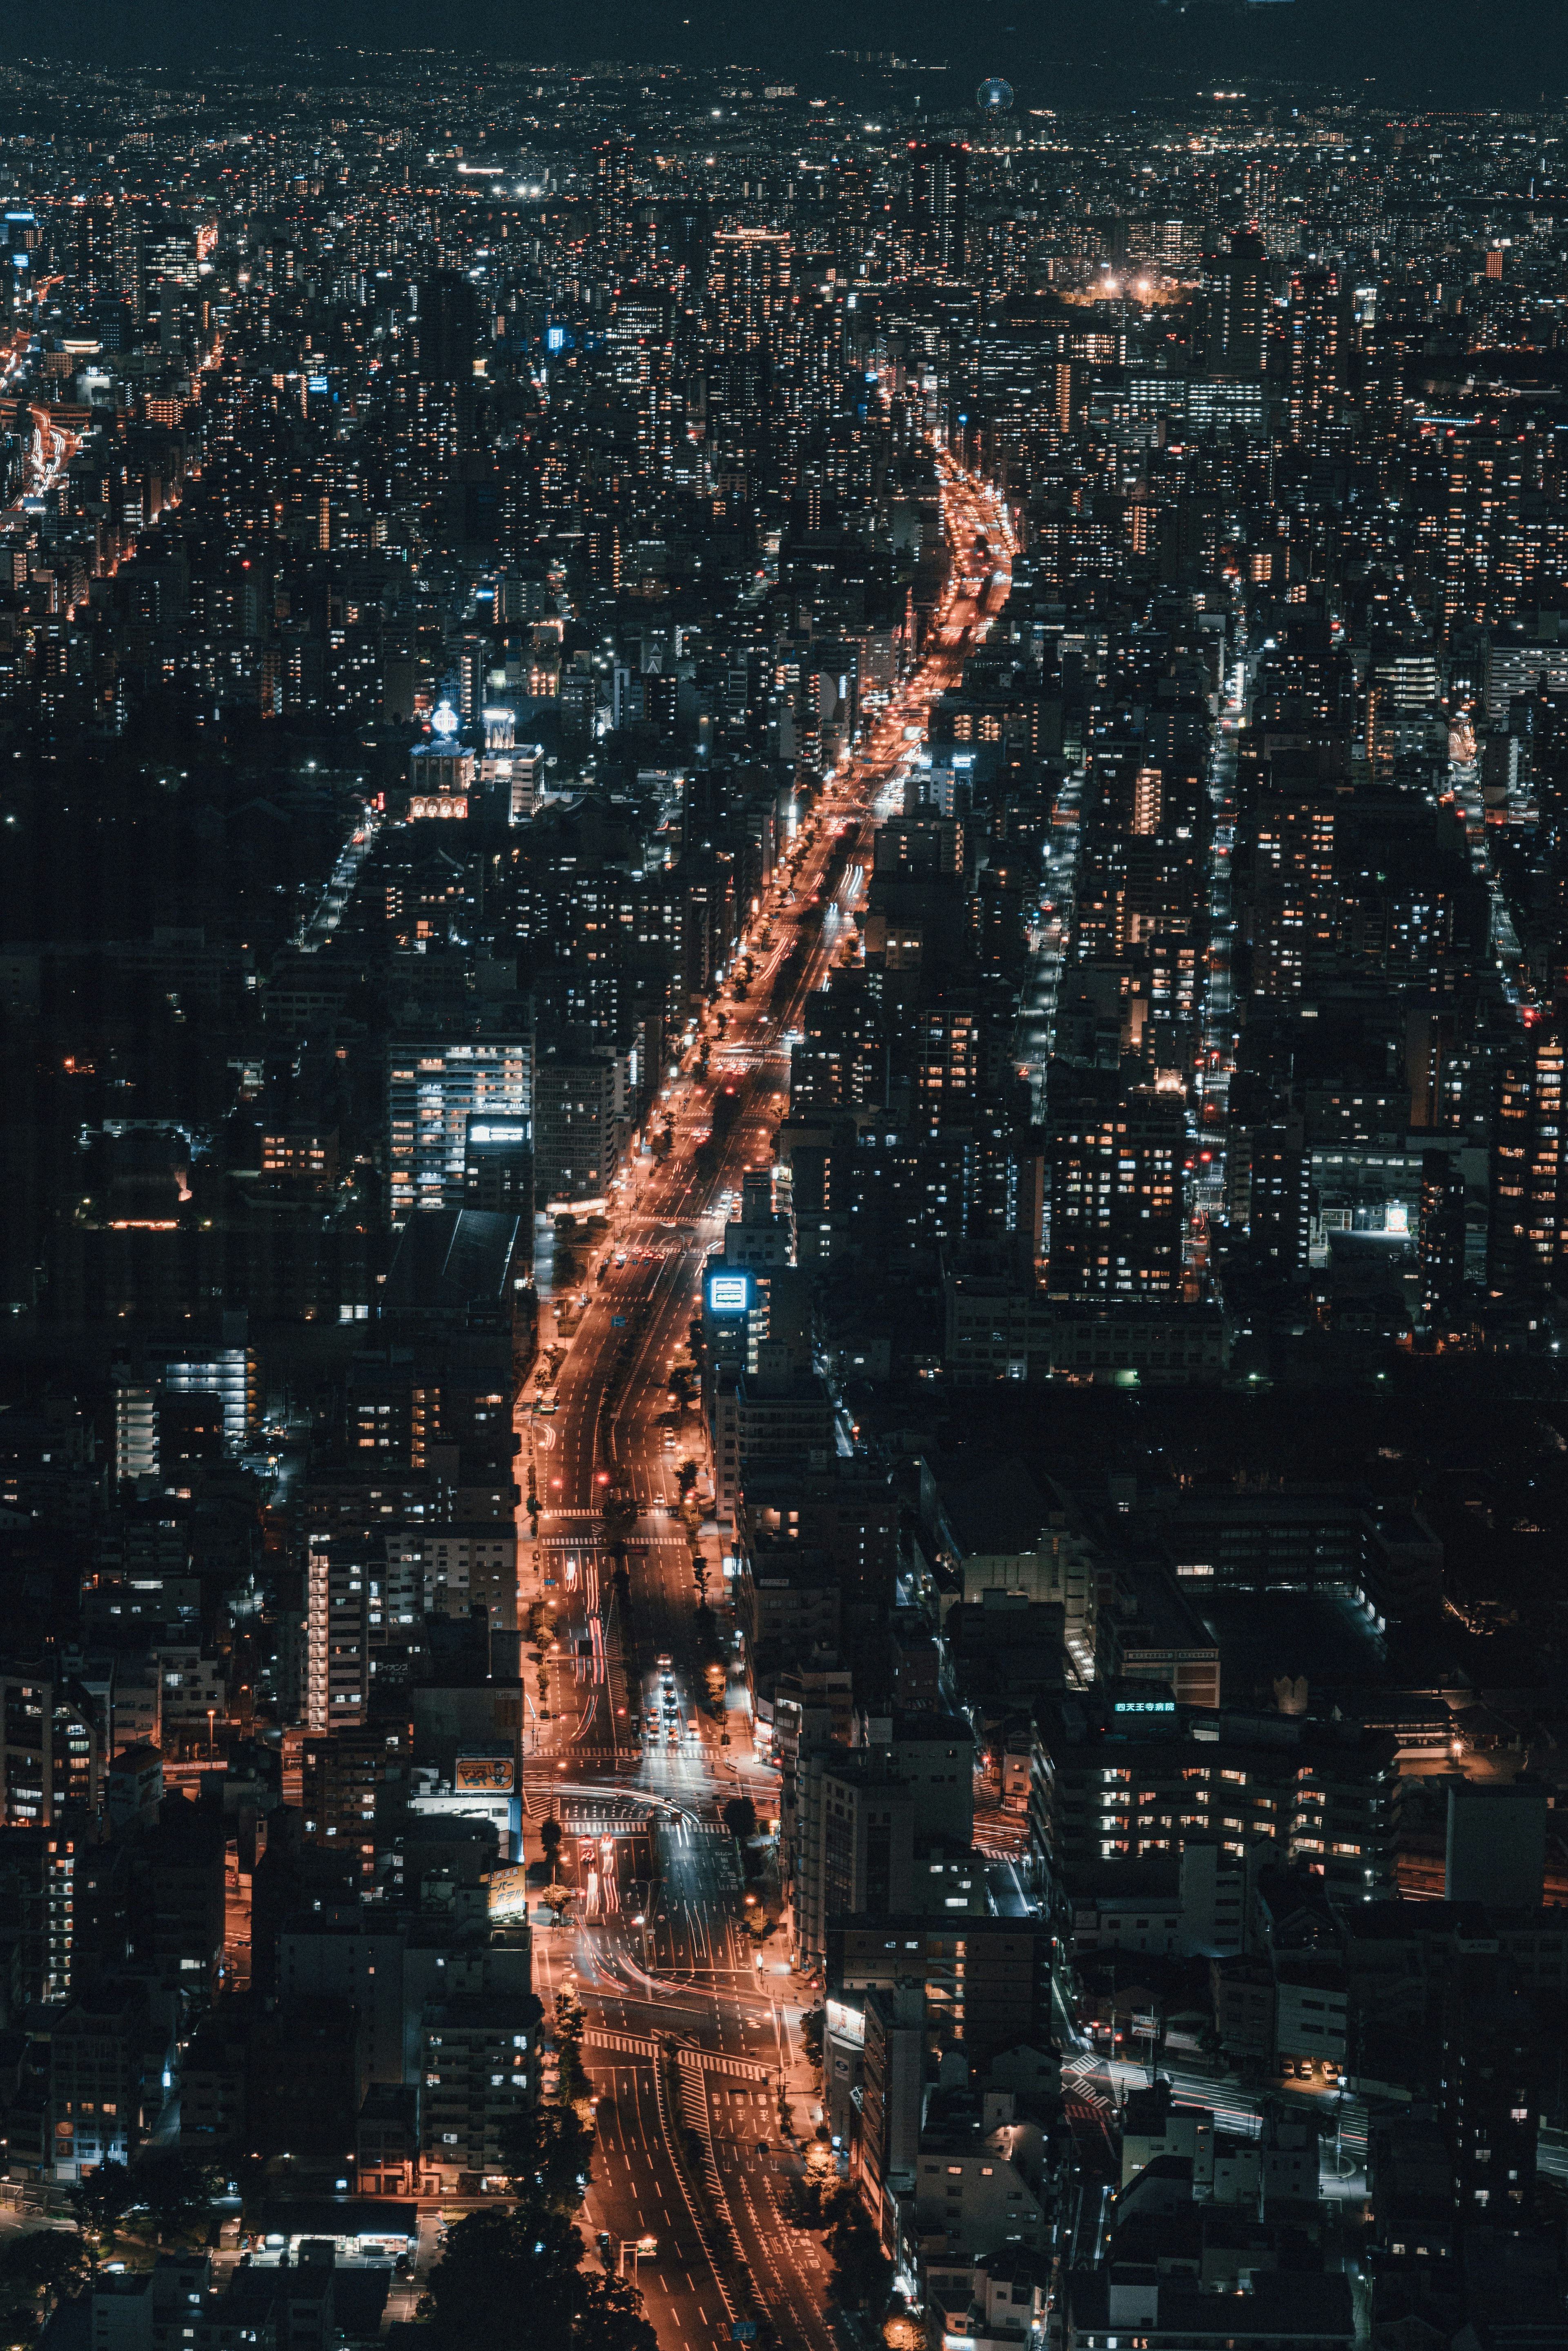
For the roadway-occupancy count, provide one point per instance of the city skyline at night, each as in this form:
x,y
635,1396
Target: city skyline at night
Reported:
x,y
783,1005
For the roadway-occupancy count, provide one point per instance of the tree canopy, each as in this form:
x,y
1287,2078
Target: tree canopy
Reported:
x,y
516,2278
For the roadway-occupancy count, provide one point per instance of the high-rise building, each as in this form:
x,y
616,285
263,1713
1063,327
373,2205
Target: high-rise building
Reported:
x,y
337,1632
1483,545
1238,309
498,1169
841,1062
1116,1158
853,1846
750,276
1402,695
107,259
437,1086
448,328
613,194
1315,339
894,2093
1442,1239
480,2065
1279,1213
1322,1797
852,1850
1493,2038
944,1063
51,1749
939,205
580,1116
97,2053
224,1370
850,194
169,253
135,1428
38,1887
1525,1244
343,1773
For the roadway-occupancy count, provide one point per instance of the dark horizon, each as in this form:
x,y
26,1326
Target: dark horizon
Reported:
x,y
1402,53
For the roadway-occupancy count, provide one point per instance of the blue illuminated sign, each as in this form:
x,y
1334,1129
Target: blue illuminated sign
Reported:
x,y
728,1294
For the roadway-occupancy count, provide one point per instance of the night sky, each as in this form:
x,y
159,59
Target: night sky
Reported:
x,y
1441,52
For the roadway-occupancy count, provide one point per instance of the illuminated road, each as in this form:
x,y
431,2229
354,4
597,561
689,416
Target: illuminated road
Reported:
x,y
668,1955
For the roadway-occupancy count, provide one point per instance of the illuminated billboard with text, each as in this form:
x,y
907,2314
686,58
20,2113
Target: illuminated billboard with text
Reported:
x,y
728,1294
483,1775
508,1892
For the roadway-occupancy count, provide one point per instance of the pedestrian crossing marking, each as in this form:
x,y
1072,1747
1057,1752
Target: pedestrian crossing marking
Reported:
x,y
544,1765
691,2062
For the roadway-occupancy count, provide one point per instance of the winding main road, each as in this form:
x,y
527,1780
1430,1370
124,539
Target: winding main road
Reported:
x,y
657,1945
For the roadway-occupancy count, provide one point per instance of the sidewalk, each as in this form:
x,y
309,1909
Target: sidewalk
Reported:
x,y
800,2078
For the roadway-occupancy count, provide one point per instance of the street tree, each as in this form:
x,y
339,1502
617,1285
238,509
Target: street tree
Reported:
x,y
516,2280
571,2022
99,2202
547,2154
174,2188
37,2270
619,1512
863,2274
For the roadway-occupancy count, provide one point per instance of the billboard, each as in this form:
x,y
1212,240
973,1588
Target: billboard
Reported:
x,y
508,1892
846,2022
483,1775
728,1294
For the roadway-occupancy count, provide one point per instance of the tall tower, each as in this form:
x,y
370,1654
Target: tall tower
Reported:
x,y
613,192
1314,330
1442,1239
939,205
1239,316
851,196
1482,543
448,328
750,276
1525,1245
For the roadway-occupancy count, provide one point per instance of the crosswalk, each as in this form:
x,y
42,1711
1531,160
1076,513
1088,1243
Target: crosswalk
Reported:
x,y
739,2069
694,2063
694,2113
626,2045
541,1769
